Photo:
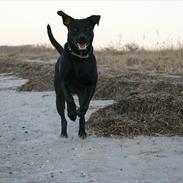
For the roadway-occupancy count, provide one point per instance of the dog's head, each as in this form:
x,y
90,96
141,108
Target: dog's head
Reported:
x,y
80,31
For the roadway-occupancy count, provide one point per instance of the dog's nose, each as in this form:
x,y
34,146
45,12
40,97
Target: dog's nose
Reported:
x,y
82,38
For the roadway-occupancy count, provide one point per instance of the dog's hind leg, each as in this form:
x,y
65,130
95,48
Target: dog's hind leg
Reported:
x,y
60,104
82,132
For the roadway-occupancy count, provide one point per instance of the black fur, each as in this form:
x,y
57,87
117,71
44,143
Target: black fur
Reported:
x,y
75,70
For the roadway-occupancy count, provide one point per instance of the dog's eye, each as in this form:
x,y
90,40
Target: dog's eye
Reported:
x,y
75,29
87,29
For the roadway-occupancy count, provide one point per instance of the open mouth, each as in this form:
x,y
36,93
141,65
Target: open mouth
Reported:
x,y
82,46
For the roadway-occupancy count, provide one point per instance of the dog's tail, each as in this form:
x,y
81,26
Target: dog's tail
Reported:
x,y
58,47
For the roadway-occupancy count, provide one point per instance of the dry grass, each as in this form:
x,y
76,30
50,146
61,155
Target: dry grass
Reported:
x,y
163,61
131,57
27,52
144,114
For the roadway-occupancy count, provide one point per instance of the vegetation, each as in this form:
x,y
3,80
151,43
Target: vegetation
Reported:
x,y
130,57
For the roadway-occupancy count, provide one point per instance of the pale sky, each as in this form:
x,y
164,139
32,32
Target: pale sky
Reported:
x,y
142,22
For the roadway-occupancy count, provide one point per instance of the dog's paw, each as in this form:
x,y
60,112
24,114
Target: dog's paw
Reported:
x,y
64,135
82,134
71,111
72,115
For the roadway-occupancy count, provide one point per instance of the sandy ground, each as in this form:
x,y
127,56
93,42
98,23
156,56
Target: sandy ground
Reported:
x,y
31,150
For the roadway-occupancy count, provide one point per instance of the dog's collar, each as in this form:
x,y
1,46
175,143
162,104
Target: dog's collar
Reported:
x,y
77,55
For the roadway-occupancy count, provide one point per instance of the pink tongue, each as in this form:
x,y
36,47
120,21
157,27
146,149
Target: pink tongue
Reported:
x,y
82,45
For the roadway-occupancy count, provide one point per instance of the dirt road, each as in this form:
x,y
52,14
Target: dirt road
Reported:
x,y
31,150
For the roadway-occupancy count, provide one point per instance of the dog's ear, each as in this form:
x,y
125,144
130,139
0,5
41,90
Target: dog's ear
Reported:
x,y
67,20
94,19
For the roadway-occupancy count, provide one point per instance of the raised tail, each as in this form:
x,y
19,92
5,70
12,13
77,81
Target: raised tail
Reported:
x,y
58,47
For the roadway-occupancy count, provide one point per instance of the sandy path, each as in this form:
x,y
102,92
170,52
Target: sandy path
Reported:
x,y
31,150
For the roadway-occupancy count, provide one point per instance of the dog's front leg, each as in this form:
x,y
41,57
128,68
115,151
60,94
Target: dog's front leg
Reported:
x,y
71,106
84,100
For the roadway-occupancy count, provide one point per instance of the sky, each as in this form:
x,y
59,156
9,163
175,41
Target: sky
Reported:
x,y
147,23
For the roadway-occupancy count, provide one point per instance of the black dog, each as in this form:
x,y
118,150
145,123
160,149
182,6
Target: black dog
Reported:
x,y
75,70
